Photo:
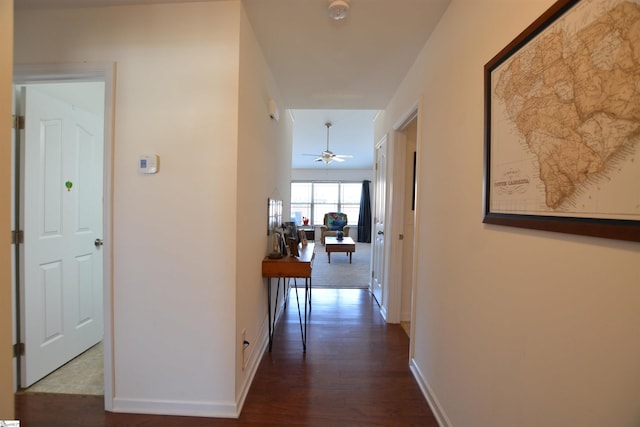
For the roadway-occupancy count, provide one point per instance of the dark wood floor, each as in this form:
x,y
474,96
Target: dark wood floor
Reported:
x,y
355,373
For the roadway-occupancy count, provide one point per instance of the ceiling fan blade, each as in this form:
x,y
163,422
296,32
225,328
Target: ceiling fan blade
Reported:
x,y
327,155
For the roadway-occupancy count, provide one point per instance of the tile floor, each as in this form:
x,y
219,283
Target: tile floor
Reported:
x,y
82,375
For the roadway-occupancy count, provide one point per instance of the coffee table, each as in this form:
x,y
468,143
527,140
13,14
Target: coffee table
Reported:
x,y
332,244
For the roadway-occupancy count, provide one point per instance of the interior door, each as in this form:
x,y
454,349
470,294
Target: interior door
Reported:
x,y
61,215
379,214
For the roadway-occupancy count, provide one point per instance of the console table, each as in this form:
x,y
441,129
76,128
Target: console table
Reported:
x,y
287,268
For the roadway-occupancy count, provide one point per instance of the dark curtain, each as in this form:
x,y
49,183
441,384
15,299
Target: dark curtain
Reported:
x,y
364,219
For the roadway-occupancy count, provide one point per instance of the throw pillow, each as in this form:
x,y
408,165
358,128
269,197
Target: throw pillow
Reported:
x,y
338,224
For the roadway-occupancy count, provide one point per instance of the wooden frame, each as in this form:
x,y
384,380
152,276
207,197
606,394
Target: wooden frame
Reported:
x,y
290,230
413,183
302,237
292,244
547,167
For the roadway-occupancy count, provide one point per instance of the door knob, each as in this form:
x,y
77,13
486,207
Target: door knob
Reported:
x,y
380,232
98,243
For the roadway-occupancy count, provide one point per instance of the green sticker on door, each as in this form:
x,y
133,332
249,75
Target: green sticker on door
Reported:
x,y
68,184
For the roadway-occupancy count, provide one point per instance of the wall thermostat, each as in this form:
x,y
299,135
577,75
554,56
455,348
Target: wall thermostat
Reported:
x,y
148,164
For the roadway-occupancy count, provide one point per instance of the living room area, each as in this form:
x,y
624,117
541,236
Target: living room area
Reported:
x,y
332,167
336,215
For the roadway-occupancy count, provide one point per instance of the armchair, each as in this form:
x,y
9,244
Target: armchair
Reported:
x,y
332,223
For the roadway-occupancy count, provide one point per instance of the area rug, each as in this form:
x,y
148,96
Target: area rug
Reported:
x,y
341,274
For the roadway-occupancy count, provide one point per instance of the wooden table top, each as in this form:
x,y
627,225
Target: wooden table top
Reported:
x,y
289,266
329,240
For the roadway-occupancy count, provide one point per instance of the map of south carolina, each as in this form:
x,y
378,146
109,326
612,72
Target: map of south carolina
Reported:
x,y
574,97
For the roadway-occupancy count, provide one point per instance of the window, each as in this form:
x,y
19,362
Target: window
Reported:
x,y
301,197
350,194
314,199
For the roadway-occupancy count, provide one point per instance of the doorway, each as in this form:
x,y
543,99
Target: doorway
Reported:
x,y
60,214
408,231
82,166
401,209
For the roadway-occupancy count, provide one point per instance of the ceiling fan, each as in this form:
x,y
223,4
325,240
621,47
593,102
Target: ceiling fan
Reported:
x,y
328,156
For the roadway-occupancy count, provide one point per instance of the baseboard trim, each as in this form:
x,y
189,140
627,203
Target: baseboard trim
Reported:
x,y
431,398
198,409
169,407
254,363
383,312
256,356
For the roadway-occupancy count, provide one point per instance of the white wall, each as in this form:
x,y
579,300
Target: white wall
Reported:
x,y
329,174
513,327
6,324
174,233
264,171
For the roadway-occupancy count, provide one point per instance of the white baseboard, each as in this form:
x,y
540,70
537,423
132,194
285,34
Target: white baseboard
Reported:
x,y
436,408
202,409
383,312
252,365
182,408
256,356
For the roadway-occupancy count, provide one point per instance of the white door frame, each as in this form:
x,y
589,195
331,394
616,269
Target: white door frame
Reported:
x,y
91,72
395,218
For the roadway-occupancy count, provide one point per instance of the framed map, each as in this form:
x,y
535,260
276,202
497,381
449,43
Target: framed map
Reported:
x,y
562,123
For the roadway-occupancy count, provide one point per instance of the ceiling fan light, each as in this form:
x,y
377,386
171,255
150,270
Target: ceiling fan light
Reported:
x,y
327,155
338,9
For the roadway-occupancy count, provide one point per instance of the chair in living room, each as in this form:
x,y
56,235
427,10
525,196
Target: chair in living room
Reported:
x,y
334,222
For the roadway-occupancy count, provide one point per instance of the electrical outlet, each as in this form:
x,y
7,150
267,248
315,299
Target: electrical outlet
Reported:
x,y
243,340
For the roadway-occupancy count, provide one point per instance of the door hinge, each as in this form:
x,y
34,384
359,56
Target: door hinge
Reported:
x,y
17,237
17,122
18,349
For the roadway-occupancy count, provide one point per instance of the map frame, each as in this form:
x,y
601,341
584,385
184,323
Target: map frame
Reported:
x,y
619,229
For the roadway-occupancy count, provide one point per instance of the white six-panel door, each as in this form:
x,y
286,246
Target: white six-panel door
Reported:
x,y
61,214
379,214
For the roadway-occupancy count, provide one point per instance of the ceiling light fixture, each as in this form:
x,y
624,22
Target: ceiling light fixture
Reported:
x,y
327,155
338,9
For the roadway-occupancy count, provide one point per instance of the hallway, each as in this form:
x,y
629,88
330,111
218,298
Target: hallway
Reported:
x,y
355,373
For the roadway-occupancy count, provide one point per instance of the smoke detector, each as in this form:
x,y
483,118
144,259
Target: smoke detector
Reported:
x,y
338,9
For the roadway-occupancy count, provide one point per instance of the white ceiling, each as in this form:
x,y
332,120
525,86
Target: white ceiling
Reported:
x,y
57,4
335,67
351,132
339,67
